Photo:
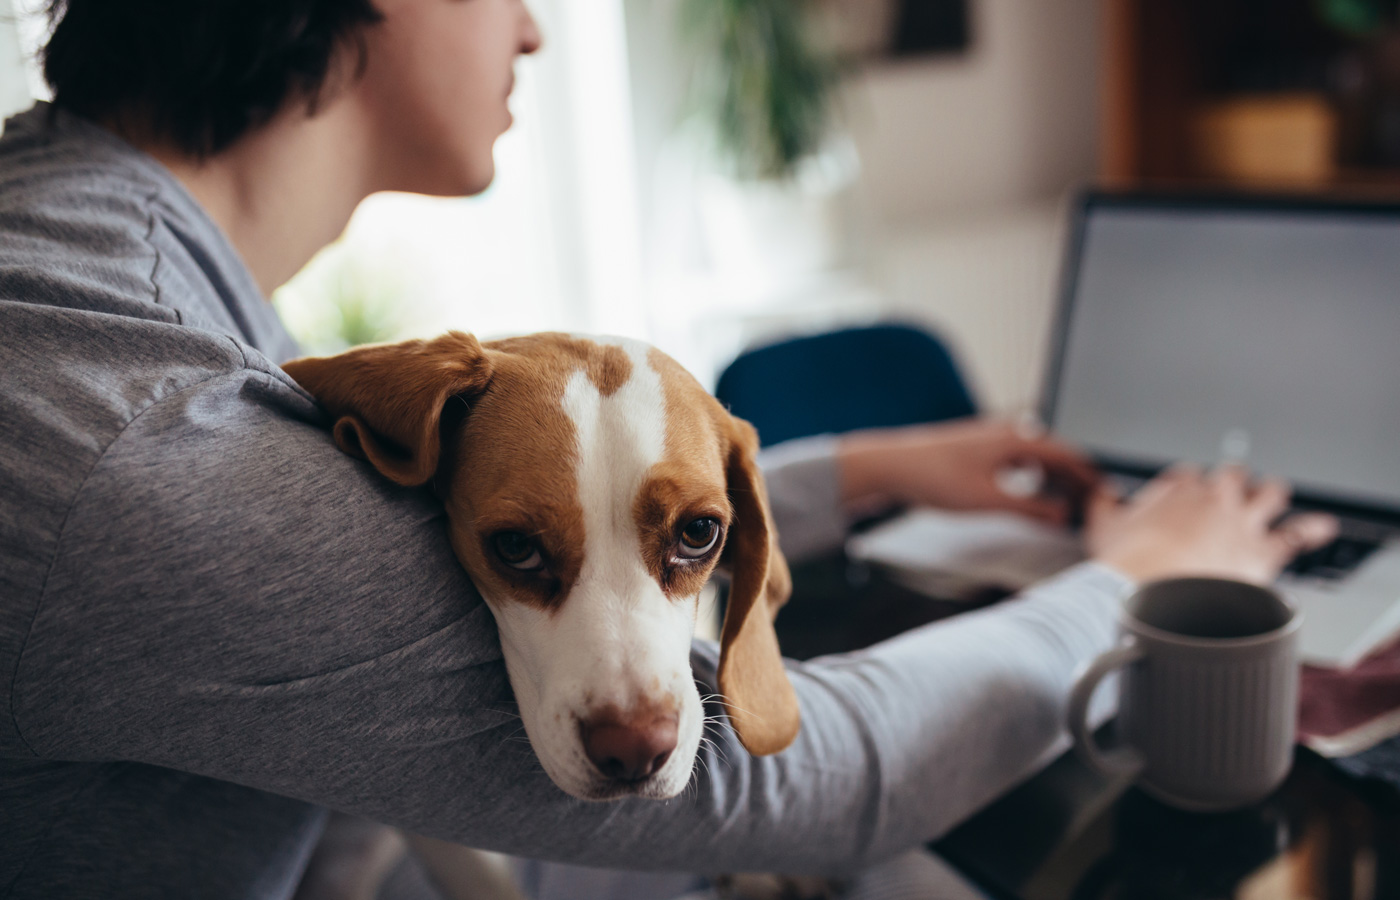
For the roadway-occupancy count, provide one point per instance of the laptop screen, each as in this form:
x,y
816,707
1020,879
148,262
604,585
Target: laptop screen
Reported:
x,y
1262,332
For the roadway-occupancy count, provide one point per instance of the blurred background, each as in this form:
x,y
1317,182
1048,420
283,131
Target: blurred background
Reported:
x,y
711,174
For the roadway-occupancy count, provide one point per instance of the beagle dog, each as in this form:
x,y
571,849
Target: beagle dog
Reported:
x,y
591,487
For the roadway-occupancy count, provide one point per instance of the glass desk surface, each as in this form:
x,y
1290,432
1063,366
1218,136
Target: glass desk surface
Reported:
x,y
1070,834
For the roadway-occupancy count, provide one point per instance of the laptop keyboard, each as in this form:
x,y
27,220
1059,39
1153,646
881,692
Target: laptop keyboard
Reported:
x,y
1356,541
1335,560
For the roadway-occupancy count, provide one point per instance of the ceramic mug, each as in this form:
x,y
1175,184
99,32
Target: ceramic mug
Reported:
x,y
1208,698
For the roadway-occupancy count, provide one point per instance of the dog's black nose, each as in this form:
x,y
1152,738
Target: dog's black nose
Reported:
x,y
629,748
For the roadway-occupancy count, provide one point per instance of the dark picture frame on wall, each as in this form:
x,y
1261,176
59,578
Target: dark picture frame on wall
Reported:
x,y
930,26
902,29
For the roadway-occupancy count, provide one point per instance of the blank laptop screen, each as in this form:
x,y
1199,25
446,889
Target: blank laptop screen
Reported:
x,y
1270,335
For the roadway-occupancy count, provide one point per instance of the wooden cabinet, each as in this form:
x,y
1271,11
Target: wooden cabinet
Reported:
x,y
1273,94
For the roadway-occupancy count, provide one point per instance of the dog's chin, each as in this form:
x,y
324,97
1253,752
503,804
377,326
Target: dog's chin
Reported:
x,y
573,774
604,790
586,783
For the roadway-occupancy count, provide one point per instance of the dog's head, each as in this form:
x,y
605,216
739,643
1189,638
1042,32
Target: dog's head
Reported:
x,y
591,487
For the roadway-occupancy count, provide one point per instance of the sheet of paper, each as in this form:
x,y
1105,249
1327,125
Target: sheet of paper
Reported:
x,y
947,554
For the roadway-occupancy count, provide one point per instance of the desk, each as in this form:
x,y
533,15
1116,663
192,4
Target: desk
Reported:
x,y
1071,834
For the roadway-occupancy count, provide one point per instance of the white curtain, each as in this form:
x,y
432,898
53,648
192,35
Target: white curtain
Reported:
x,y
551,245
22,30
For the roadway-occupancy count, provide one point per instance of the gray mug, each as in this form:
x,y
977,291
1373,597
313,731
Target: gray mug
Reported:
x,y
1208,700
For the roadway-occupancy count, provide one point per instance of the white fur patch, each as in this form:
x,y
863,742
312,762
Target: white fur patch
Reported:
x,y
619,439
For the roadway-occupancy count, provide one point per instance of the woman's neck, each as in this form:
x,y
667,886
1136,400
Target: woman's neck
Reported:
x,y
284,190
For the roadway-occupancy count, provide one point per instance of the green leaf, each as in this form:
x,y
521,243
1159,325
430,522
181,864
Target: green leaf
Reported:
x,y
761,80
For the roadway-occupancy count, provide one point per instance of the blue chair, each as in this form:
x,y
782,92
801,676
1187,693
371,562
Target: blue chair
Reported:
x,y
870,377
880,376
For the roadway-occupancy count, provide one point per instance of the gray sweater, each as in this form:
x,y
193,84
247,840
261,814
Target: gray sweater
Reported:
x,y
214,625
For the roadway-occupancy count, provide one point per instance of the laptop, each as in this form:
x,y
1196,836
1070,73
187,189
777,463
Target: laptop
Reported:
x,y
1253,329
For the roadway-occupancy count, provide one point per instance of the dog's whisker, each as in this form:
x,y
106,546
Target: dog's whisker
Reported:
x,y
694,781
714,747
708,729
517,736
717,747
709,771
737,708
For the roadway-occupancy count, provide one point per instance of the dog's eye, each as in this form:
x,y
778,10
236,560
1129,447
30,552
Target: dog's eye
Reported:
x,y
698,538
517,551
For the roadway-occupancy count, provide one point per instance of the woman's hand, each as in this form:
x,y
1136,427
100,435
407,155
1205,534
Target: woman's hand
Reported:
x,y
1187,522
962,465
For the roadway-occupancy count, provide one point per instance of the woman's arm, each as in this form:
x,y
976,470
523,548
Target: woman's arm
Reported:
x,y
818,485
1186,521
233,597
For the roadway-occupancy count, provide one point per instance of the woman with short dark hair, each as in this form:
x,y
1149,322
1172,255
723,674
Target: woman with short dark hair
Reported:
x,y
198,74
214,625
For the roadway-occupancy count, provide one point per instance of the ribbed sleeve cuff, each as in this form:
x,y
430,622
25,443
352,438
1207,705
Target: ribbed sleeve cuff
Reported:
x,y
804,489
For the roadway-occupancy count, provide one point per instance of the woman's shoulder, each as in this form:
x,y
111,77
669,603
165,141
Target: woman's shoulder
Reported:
x,y
89,222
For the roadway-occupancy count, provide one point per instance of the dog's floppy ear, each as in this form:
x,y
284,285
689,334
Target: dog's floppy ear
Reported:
x,y
387,399
761,702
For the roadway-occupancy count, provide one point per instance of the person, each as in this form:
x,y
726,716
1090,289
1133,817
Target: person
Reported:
x,y
214,626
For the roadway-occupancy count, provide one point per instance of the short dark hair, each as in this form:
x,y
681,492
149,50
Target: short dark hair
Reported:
x,y
199,73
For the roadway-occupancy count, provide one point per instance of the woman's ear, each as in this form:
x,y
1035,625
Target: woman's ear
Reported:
x,y
387,399
761,702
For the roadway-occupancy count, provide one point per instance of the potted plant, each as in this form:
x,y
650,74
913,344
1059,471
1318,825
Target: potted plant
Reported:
x,y
774,196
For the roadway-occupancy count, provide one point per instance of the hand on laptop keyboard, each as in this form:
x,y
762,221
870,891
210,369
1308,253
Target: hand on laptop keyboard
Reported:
x,y
967,464
1190,522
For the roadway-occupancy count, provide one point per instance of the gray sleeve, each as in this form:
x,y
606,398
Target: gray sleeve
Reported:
x,y
804,489
233,597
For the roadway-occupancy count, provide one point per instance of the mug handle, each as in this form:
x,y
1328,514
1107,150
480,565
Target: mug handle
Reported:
x,y
1124,761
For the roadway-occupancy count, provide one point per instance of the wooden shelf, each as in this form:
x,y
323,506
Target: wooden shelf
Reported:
x,y
1237,94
